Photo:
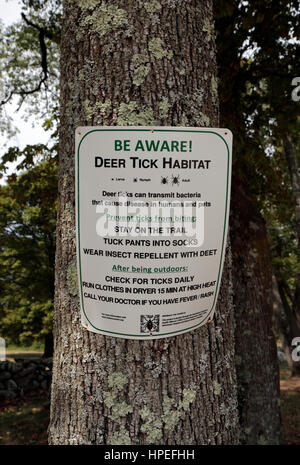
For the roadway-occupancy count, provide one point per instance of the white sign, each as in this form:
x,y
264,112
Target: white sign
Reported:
x,y
152,208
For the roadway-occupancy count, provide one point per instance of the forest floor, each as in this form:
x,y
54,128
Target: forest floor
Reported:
x,y
25,420
33,351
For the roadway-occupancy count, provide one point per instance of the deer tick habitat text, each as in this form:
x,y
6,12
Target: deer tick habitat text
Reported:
x,y
152,208
151,163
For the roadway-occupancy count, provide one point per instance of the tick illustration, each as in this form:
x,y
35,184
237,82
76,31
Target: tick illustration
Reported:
x,y
175,180
149,323
164,180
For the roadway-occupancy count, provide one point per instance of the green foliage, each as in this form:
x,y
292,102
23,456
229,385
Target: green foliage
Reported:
x,y
27,157
284,249
27,250
29,60
257,62
258,55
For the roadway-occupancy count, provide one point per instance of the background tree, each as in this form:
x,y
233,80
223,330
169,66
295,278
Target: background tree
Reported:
x,y
136,63
27,252
284,235
253,37
29,71
274,135
29,53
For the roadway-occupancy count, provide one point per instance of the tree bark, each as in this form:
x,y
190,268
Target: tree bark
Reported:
x,y
137,63
256,351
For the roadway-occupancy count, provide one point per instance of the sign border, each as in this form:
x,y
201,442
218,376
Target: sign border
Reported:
x,y
78,253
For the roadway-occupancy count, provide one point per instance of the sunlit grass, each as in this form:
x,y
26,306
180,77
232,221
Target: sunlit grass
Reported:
x,y
36,347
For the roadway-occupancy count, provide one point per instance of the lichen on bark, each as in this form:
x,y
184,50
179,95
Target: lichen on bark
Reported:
x,y
94,375
128,114
153,6
155,46
104,19
72,279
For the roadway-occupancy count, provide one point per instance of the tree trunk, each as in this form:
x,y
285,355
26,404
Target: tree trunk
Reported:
x,y
294,172
289,319
257,365
48,346
137,63
293,311
256,352
282,324
289,326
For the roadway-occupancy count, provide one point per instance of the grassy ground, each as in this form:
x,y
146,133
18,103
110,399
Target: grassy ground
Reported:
x,y
34,348
25,420
33,351
14,351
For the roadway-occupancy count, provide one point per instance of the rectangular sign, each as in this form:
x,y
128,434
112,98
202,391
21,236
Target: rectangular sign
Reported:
x,y
152,206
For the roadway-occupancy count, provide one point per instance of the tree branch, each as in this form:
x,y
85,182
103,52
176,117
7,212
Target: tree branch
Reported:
x,y
44,64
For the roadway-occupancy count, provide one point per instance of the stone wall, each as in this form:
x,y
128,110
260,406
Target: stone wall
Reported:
x,y
24,375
